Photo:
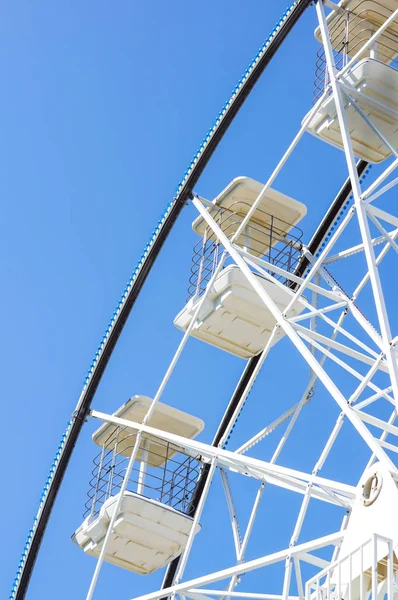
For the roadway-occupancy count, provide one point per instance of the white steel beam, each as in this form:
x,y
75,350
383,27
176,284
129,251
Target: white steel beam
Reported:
x,y
281,476
317,311
356,313
275,456
373,186
145,420
299,579
356,190
305,503
345,366
374,397
366,382
267,430
379,423
248,532
260,263
358,248
382,191
293,335
348,302
317,262
278,168
249,386
232,511
366,277
385,233
333,539
389,446
382,214
313,560
339,347
334,6
205,593
349,336
383,436
195,522
240,594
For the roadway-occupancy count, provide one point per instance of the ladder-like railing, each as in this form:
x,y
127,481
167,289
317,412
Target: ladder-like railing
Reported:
x,y
367,572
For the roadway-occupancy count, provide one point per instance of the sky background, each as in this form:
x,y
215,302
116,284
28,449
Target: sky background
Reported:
x,y
103,106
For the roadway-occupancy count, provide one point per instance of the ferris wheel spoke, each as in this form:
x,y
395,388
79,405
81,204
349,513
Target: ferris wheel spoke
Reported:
x,y
293,415
361,210
252,565
363,322
288,478
304,507
365,380
383,437
201,594
260,265
289,329
195,523
289,414
241,555
352,250
387,428
232,512
379,226
312,337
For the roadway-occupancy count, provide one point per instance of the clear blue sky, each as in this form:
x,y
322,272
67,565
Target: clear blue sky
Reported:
x,y
103,105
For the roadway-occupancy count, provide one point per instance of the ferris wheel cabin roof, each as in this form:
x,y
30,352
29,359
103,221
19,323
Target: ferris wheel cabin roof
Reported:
x,y
164,417
365,18
275,211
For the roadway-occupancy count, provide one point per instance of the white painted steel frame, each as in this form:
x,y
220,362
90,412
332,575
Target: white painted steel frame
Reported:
x,y
333,539
285,477
291,332
357,192
310,485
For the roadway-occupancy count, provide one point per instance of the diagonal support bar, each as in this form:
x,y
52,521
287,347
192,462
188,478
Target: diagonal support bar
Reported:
x,y
294,337
357,193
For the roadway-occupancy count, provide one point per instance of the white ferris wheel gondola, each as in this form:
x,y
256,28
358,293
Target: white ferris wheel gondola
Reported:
x,y
233,317
149,531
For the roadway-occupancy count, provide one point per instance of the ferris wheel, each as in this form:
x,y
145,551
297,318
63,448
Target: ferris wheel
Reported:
x,y
256,285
